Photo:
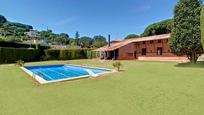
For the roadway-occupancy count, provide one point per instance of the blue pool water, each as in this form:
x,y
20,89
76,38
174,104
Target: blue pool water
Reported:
x,y
57,72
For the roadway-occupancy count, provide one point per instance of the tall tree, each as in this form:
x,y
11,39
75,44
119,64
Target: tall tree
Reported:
x,y
2,20
64,35
162,27
99,41
77,35
132,36
186,34
85,42
202,26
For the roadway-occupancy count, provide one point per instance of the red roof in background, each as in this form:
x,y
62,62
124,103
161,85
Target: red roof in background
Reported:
x,y
119,44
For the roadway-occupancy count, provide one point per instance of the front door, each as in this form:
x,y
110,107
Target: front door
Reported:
x,y
135,54
116,54
144,51
159,51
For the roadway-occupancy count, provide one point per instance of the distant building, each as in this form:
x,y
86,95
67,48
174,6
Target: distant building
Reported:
x,y
32,34
152,46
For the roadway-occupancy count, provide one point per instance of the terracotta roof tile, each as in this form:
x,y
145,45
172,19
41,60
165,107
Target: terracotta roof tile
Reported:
x,y
126,42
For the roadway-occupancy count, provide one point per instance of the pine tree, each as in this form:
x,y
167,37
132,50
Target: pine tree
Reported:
x,y
77,35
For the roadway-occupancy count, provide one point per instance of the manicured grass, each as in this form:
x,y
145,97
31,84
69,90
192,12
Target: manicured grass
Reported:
x,y
143,88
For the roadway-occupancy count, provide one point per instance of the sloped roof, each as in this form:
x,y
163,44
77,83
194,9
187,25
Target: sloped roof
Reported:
x,y
117,45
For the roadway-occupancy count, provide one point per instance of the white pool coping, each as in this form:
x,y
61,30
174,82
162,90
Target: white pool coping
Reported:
x,y
43,81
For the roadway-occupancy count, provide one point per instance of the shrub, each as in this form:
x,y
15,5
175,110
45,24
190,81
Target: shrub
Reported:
x,y
20,63
20,45
52,54
11,55
2,40
92,54
37,46
117,65
66,54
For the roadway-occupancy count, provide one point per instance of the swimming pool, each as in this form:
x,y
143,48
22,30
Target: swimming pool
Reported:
x,y
55,73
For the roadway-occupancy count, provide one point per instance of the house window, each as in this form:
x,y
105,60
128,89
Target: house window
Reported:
x,y
167,40
129,54
159,41
159,51
144,51
151,42
144,43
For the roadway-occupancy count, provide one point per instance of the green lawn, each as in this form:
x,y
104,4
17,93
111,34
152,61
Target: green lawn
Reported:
x,y
143,88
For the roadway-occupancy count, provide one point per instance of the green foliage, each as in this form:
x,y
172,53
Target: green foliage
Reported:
x,y
85,42
202,26
52,54
64,35
117,65
20,63
186,34
19,45
13,39
2,40
66,54
99,41
11,55
19,26
50,37
2,20
72,54
37,46
15,29
162,27
92,54
132,36
77,35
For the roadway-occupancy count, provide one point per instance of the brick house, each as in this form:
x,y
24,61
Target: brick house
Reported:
x,y
152,46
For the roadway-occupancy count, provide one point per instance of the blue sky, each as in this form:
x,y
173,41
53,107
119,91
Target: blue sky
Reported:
x,y
89,17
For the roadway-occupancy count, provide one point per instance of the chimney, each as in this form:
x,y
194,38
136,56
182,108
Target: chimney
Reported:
x,y
109,42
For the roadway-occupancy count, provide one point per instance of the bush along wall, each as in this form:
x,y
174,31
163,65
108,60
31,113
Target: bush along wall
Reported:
x,y
21,45
11,55
52,54
66,54
93,54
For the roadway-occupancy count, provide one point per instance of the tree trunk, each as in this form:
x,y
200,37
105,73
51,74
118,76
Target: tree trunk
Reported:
x,y
194,57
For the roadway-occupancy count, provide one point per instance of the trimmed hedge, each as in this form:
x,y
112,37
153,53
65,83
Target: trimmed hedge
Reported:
x,y
66,54
11,55
52,54
92,54
20,45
